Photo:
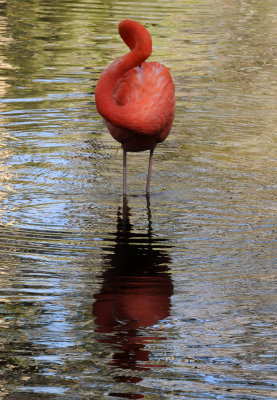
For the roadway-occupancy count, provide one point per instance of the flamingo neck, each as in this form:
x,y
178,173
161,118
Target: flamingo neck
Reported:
x,y
139,41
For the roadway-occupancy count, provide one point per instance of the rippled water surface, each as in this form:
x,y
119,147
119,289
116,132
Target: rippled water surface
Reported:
x,y
171,297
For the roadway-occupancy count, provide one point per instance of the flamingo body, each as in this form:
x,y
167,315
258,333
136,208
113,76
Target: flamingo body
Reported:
x,y
136,98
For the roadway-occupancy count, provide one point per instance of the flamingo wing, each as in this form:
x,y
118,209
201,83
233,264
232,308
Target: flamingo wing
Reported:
x,y
149,90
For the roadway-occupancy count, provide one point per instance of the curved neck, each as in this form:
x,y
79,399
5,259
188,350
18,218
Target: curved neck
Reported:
x,y
139,41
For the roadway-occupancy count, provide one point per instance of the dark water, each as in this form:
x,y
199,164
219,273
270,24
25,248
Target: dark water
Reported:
x,y
170,298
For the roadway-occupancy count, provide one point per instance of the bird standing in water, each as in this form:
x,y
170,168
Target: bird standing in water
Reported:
x,y
136,98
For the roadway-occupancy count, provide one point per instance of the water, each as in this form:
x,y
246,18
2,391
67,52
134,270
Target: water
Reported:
x,y
170,298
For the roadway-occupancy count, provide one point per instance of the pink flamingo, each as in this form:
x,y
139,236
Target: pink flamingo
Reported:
x,y
136,98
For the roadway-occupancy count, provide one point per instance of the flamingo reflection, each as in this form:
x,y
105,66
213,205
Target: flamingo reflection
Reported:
x,y
135,293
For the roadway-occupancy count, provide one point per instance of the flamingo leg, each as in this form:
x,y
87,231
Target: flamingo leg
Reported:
x,y
124,173
149,171
149,215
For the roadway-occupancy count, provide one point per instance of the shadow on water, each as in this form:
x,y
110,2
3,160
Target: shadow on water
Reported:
x,y
135,295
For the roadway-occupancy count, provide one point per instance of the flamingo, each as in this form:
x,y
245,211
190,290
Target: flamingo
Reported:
x,y
136,98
